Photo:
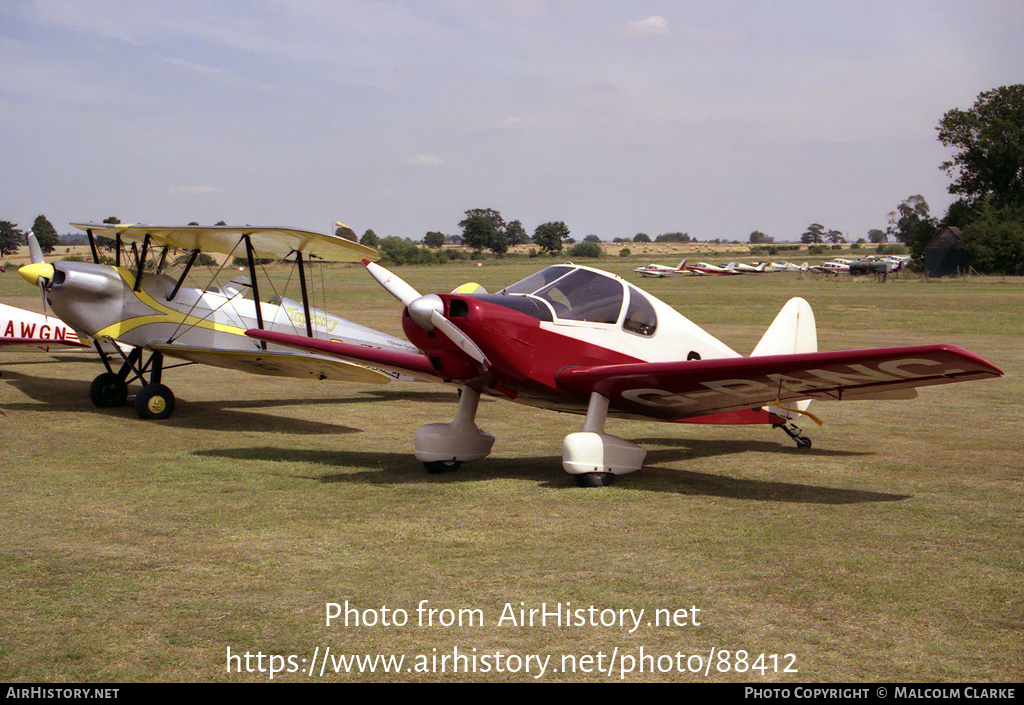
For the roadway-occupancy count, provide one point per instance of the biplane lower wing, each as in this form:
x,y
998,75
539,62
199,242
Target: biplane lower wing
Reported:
x,y
688,389
396,362
276,363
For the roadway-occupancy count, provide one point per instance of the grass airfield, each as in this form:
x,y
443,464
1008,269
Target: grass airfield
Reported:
x,y
890,551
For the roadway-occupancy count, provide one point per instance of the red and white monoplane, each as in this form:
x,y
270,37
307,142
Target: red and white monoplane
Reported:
x,y
581,340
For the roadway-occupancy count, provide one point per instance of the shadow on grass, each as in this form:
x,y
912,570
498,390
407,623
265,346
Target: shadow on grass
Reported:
x,y
233,415
386,468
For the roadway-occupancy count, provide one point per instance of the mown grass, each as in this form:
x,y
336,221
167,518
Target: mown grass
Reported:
x,y
890,551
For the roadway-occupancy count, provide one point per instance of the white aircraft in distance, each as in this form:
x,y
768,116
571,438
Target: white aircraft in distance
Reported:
x,y
660,270
705,268
745,268
580,340
24,330
783,266
144,309
833,266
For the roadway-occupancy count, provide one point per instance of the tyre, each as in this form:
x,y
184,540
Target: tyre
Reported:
x,y
155,401
108,390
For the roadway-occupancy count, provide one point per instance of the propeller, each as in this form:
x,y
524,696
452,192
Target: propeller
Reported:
x,y
427,311
39,272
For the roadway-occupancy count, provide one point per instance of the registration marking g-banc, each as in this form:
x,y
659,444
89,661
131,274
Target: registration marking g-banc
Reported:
x,y
885,371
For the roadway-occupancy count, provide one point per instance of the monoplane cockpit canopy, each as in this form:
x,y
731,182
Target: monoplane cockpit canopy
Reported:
x,y
582,294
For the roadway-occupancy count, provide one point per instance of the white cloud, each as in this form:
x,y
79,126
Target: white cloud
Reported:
x,y
218,74
426,160
654,26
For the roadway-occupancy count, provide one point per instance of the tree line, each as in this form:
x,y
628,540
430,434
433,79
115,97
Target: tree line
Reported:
x,y
987,172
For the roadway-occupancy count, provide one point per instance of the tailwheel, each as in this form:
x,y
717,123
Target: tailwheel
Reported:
x,y
793,431
108,390
594,479
155,401
437,467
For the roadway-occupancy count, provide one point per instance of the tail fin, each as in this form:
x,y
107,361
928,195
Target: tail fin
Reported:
x,y
682,266
792,331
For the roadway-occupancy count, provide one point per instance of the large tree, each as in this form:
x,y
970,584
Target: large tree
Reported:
x,y
550,236
988,141
815,234
346,232
370,239
484,228
516,233
911,225
994,240
904,221
46,234
10,238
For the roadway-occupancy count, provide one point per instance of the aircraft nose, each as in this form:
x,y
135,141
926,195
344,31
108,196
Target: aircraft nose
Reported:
x,y
421,310
32,272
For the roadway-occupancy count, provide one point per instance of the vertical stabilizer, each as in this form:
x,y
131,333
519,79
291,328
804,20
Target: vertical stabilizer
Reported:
x,y
792,331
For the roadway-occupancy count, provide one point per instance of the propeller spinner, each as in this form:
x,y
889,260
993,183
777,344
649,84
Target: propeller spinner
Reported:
x,y
427,311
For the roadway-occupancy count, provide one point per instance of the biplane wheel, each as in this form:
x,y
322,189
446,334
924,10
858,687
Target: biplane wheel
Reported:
x,y
594,479
155,401
108,390
438,467
803,442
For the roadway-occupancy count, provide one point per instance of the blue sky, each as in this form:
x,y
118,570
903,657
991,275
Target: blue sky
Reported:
x,y
713,118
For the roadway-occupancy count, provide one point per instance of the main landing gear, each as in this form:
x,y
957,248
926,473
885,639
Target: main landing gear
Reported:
x,y
443,447
110,389
594,457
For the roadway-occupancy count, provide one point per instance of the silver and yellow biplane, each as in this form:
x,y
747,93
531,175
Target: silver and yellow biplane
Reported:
x,y
144,305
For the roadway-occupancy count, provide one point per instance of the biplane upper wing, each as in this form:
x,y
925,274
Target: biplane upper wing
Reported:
x,y
688,389
276,363
267,242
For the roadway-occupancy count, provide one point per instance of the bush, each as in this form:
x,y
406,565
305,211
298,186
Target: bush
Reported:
x,y
585,249
624,252
397,250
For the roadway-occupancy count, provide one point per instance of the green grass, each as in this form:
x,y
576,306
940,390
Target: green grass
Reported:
x,y
890,551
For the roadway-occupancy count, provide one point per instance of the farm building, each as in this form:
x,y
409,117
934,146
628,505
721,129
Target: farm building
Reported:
x,y
944,256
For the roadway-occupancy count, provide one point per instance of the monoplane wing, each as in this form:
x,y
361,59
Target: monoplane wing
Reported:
x,y
267,242
276,363
687,389
391,360
24,330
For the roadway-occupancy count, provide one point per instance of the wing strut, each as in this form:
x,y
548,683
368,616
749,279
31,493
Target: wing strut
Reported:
x,y
141,261
181,279
255,286
305,294
92,246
